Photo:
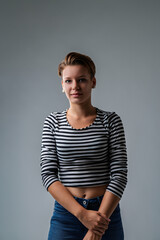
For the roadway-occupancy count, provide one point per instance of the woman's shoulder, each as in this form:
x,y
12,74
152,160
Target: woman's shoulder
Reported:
x,y
56,113
109,116
106,113
53,116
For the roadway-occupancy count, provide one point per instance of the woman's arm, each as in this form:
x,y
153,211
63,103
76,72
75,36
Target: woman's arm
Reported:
x,y
108,205
92,220
118,170
117,156
62,195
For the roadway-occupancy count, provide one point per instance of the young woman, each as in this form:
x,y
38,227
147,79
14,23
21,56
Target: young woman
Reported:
x,y
83,160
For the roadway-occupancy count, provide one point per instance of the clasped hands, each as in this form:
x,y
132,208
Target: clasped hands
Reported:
x,y
96,223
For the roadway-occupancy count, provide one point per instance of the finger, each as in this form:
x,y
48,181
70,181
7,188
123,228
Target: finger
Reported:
x,y
98,237
98,233
102,222
101,226
104,216
100,230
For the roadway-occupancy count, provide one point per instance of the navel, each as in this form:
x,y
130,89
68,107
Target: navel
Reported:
x,y
84,195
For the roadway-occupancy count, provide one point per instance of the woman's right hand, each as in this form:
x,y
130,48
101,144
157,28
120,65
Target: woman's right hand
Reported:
x,y
94,221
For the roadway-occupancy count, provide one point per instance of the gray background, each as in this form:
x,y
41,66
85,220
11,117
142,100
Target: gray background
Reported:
x,y
122,37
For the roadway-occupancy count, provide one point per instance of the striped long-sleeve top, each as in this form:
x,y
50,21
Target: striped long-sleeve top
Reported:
x,y
91,156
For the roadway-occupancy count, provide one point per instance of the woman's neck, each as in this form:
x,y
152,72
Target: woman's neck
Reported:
x,y
81,111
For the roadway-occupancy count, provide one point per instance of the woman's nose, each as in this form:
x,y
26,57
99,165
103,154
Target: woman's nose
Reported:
x,y
75,85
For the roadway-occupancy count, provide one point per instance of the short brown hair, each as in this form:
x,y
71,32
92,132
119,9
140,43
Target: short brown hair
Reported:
x,y
74,58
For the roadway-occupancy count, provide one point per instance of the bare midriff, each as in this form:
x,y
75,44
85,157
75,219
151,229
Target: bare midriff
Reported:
x,y
88,192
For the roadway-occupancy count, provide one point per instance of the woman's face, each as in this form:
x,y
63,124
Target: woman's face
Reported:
x,y
77,84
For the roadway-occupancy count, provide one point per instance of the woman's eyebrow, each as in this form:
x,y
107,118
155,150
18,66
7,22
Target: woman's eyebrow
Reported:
x,y
82,76
77,77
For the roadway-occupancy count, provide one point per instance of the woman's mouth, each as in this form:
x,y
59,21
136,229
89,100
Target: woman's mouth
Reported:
x,y
76,94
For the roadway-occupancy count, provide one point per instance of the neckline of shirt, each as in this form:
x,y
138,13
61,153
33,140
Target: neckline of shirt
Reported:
x,y
83,128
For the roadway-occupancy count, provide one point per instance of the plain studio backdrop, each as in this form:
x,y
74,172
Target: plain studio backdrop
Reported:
x,y
123,39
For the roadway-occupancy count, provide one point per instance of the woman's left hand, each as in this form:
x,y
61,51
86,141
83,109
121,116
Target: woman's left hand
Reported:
x,y
92,236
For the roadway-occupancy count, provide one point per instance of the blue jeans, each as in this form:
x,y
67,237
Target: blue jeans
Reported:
x,y
64,225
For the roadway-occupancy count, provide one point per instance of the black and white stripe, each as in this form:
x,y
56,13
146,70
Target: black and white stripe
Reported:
x,y
91,156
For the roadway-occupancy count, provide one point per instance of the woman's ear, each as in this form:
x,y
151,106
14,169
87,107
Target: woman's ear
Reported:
x,y
93,82
62,86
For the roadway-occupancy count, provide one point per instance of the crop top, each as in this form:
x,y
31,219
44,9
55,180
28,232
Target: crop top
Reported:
x,y
91,156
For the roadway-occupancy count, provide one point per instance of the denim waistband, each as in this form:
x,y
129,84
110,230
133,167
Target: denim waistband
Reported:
x,y
84,202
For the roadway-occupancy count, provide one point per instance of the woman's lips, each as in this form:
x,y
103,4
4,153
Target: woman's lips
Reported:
x,y
76,94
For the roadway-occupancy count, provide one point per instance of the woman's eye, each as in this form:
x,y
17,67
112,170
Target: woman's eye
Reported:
x,y
67,81
82,80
